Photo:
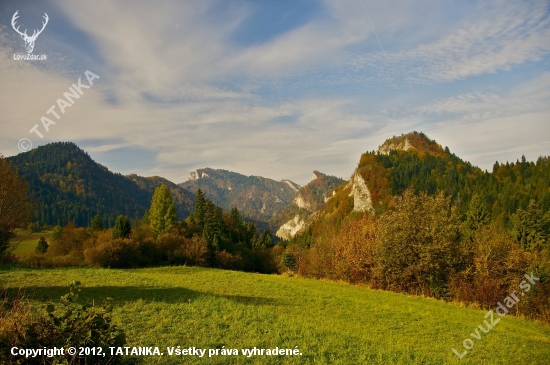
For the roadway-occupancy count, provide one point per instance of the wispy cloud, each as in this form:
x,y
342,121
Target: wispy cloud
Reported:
x,y
498,36
178,86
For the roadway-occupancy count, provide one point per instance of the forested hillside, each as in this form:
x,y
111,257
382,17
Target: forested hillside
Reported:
x,y
415,161
415,218
67,185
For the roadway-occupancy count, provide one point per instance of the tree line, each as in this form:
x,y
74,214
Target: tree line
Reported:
x,y
208,237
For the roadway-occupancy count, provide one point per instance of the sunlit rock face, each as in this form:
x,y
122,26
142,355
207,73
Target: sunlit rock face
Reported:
x,y
290,228
399,146
362,201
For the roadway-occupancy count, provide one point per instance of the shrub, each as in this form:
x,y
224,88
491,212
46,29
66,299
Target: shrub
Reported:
x,y
18,327
68,324
228,261
116,253
419,244
194,251
498,265
71,240
42,245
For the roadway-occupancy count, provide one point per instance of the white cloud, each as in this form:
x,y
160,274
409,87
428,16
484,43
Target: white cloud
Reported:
x,y
482,127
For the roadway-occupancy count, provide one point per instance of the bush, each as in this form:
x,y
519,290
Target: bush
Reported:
x,y
18,327
228,261
116,253
419,244
497,266
70,240
68,324
42,245
194,251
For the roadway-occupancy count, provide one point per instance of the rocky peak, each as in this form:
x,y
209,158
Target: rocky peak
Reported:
x,y
396,143
198,174
316,174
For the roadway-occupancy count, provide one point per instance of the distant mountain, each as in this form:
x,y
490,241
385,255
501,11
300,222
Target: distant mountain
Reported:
x,y
256,197
307,200
69,186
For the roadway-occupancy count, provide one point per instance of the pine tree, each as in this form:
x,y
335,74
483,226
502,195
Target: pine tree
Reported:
x,y
267,239
477,216
213,225
531,227
236,218
122,228
97,224
288,261
42,246
162,213
200,209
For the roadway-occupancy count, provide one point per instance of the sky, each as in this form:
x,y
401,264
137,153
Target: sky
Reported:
x,y
276,88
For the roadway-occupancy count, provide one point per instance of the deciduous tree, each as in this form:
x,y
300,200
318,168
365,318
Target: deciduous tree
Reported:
x,y
419,243
14,204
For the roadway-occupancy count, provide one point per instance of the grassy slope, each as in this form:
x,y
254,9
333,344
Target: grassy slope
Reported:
x,y
331,323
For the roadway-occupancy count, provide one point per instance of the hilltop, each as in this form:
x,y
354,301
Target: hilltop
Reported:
x,y
69,185
414,160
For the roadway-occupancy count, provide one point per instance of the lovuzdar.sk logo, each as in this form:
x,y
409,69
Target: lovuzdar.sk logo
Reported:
x,y
29,40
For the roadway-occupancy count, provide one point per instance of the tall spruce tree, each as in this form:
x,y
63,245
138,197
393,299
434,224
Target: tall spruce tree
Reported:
x,y
236,218
477,216
267,239
97,224
122,227
213,225
531,227
42,246
162,213
200,209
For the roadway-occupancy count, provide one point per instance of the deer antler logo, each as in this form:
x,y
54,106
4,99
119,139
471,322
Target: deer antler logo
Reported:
x,y
29,41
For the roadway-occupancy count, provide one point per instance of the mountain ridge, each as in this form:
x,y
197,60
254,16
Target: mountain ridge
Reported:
x,y
71,186
256,197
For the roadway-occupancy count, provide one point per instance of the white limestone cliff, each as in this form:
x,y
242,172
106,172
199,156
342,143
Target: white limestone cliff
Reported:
x,y
362,201
291,185
290,228
300,202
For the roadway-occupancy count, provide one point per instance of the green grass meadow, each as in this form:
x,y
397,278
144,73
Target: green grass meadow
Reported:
x,y
27,242
331,323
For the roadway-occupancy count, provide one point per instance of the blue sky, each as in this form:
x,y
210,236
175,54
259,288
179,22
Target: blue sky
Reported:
x,y
279,88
